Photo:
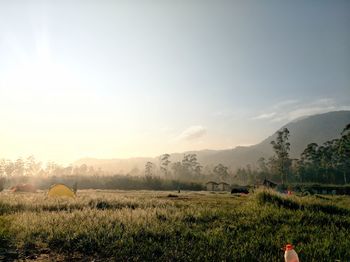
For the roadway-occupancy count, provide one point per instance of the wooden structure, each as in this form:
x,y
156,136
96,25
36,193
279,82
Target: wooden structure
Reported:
x,y
269,183
212,186
222,186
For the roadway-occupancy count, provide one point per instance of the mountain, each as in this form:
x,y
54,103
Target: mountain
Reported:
x,y
316,128
311,129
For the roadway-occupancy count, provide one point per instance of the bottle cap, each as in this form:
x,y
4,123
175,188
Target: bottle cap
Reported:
x,y
289,247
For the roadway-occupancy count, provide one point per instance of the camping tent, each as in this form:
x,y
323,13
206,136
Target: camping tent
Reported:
x,y
60,190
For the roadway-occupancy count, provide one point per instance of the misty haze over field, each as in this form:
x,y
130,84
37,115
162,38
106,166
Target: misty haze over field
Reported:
x,y
121,79
312,129
175,130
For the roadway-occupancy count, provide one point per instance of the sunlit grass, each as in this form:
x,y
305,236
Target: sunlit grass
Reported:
x,y
149,225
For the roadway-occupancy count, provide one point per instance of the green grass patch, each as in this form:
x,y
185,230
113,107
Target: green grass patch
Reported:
x,y
150,226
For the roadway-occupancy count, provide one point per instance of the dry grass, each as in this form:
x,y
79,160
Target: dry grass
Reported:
x,y
149,225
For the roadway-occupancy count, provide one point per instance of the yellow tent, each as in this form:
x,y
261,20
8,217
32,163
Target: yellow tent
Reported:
x,y
60,190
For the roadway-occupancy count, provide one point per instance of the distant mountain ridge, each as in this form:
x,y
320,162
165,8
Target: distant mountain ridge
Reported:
x,y
316,128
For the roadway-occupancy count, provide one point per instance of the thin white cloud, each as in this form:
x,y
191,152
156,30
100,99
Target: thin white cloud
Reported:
x,y
290,110
309,111
265,116
192,133
275,109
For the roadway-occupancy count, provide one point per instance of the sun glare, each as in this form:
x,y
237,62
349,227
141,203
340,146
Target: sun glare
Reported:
x,y
38,76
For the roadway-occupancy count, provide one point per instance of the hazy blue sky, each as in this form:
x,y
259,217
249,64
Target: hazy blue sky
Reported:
x,y
139,78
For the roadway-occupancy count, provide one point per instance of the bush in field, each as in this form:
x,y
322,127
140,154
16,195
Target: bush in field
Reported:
x,y
268,197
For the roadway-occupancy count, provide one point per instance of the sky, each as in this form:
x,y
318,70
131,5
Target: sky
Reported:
x,y
118,79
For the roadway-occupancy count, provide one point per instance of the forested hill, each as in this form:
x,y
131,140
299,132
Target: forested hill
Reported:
x,y
316,128
312,129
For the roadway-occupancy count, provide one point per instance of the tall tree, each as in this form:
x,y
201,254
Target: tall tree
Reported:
x,y
149,169
281,148
344,152
31,166
309,154
191,165
221,171
309,163
177,169
164,164
10,167
19,167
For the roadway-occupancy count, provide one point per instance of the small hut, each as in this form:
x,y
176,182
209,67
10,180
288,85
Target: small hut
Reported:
x,y
269,183
212,186
223,186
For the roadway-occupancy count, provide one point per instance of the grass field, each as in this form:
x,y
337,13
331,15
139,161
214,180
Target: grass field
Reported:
x,y
166,226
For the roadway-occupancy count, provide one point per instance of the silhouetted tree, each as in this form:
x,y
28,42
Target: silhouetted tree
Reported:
x,y
178,169
221,172
164,164
281,148
344,152
149,169
190,165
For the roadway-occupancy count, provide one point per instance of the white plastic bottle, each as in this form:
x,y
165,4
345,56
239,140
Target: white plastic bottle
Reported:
x,y
290,255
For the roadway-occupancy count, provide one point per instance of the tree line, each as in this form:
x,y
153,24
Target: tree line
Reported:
x,y
31,167
327,163
188,169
